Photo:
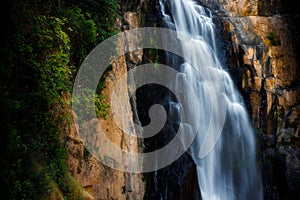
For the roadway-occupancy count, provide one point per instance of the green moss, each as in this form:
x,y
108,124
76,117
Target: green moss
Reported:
x,y
273,39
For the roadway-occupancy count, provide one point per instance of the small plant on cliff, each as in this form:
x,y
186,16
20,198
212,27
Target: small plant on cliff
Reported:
x,y
273,39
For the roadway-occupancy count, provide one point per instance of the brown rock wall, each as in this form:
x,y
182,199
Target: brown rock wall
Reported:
x,y
261,41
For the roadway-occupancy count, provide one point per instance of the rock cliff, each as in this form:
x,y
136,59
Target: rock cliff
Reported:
x,y
99,180
259,43
261,47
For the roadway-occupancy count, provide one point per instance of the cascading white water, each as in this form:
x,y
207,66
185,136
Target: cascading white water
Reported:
x,y
229,169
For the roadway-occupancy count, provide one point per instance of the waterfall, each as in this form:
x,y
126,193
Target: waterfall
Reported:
x,y
225,157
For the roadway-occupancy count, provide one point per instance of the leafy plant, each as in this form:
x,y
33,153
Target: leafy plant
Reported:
x,y
273,39
39,58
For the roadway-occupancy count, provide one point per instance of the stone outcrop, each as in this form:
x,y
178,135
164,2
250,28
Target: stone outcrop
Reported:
x,y
99,180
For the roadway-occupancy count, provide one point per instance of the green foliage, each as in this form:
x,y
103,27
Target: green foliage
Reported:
x,y
101,106
154,58
42,50
103,12
82,32
89,101
86,153
51,58
273,39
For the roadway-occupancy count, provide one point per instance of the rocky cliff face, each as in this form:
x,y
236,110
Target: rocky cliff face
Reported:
x,y
259,40
177,181
261,46
100,181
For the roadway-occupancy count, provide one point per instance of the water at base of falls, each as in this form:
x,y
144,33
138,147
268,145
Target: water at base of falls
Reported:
x,y
225,158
